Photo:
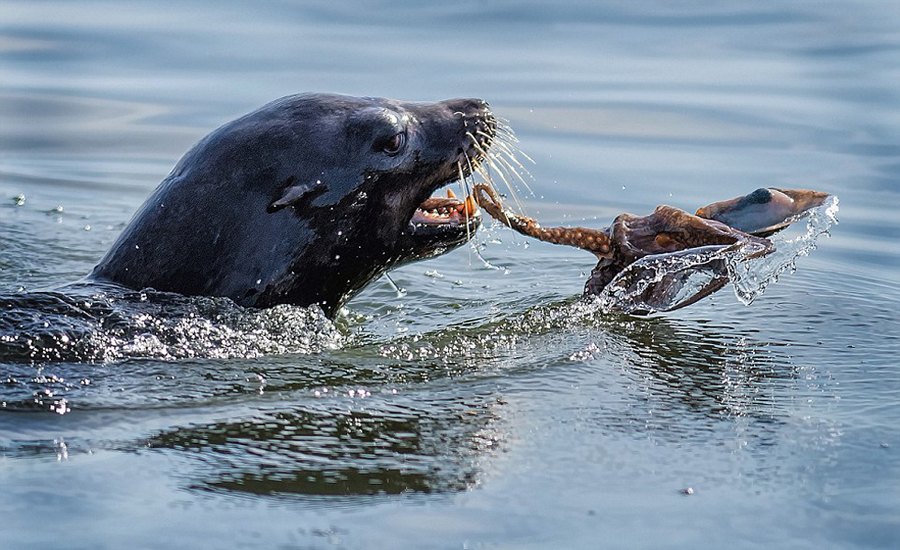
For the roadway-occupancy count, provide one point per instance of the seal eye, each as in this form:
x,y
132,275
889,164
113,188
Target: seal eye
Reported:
x,y
393,144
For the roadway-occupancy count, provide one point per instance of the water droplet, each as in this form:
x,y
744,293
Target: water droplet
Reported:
x,y
61,407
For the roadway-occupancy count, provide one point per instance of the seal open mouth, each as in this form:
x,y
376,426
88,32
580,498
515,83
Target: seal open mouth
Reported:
x,y
438,225
447,210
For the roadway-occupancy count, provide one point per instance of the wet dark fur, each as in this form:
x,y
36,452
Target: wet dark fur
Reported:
x,y
298,202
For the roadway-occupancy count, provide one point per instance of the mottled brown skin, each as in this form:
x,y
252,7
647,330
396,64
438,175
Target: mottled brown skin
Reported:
x,y
735,222
591,240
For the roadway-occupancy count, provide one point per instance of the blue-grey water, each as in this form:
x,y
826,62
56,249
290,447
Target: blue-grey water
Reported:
x,y
485,408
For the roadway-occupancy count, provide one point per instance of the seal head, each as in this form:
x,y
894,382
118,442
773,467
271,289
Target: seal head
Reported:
x,y
305,201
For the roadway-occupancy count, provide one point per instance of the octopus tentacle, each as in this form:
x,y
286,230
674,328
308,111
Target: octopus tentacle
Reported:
x,y
592,240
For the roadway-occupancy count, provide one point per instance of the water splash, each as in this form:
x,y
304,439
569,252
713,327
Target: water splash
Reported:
x,y
111,325
750,278
664,282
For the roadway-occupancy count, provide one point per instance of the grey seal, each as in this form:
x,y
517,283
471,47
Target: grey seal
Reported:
x,y
306,200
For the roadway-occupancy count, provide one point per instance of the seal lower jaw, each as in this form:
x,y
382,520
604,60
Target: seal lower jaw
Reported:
x,y
439,225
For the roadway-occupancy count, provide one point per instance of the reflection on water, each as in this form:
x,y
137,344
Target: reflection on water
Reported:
x,y
722,375
418,414
383,448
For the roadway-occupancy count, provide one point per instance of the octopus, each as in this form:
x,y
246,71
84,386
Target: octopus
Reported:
x,y
743,223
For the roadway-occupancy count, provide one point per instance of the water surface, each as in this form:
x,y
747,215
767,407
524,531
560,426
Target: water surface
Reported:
x,y
485,408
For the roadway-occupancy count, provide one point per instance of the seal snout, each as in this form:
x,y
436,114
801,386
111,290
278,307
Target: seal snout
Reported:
x,y
477,129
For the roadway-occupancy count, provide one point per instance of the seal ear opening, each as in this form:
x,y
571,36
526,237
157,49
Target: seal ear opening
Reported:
x,y
292,194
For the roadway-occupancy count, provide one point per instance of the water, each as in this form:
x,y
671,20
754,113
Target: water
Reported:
x,y
484,408
664,282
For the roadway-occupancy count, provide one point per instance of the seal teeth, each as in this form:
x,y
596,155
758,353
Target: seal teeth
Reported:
x,y
469,207
437,211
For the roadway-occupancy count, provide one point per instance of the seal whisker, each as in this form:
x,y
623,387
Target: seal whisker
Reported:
x,y
512,190
503,171
483,171
485,154
510,148
484,174
518,169
485,134
505,134
462,178
511,156
511,151
524,154
504,128
477,144
472,168
501,166
514,172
